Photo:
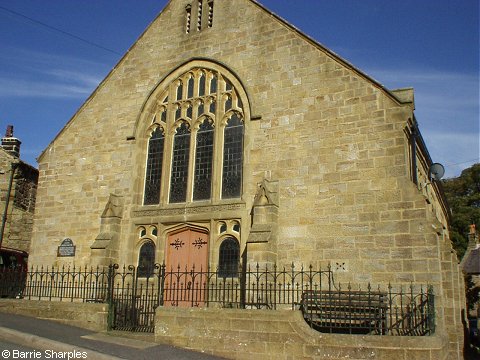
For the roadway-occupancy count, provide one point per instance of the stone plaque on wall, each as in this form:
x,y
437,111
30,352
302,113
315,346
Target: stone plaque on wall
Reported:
x,y
66,248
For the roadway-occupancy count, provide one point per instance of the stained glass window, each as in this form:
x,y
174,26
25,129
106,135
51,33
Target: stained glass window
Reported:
x,y
180,161
202,186
199,93
154,167
232,158
146,260
229,258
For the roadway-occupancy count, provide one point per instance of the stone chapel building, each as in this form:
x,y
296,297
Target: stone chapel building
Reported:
x,y
229,131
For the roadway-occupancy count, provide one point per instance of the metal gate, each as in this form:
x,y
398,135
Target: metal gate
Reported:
x,y
133,299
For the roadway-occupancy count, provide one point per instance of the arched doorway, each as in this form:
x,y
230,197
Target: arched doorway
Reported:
x,y
186,267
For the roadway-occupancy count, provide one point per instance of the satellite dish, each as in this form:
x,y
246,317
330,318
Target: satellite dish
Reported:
x,y
436,171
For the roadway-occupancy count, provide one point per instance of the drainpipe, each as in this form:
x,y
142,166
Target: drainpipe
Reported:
x,y
7,201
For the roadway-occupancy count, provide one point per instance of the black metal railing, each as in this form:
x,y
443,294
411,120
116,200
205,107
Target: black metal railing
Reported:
x,y
326,306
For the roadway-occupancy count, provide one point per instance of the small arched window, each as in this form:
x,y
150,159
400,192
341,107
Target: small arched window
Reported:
x,y
146,260
229,258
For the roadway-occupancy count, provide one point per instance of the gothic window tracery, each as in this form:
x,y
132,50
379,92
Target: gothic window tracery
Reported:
x,y
194,138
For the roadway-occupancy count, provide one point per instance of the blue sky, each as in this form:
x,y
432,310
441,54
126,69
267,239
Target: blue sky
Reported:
x,y
431,45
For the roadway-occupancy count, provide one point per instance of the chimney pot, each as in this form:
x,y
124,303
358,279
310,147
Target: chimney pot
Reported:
x,y
11,144
9,132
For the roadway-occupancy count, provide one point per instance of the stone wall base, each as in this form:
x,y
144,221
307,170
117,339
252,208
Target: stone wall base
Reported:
x,y
283,334
244,334
84,315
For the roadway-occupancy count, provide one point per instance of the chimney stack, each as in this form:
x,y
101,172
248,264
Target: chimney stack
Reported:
x,y
472,237
11,144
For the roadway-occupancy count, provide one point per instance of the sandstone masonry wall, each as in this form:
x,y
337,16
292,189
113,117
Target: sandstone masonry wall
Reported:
x,y
267,334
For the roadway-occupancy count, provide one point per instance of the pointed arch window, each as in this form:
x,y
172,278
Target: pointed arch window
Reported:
x,y
146,259
229,258
180,162
197,141
154,167
202,186
232,158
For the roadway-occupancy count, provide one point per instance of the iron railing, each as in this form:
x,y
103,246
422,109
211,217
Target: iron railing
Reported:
x,y
326,306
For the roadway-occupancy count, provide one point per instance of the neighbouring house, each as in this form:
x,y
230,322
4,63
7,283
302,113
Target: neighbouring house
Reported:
x,y
226,137
470,266
18,185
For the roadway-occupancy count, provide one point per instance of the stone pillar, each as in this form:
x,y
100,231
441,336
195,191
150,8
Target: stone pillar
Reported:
x,y
262,240
104,250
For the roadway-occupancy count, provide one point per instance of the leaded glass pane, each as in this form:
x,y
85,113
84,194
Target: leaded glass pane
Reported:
x,y
180,91
164,115
213,85
201,108
146,260
190,87
212,107
154,168
201,88
228,103
202,185
223,228
232,158
229,258
180,159
189,112
178,112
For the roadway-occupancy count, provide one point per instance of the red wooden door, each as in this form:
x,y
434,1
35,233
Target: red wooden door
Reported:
x,y
186,263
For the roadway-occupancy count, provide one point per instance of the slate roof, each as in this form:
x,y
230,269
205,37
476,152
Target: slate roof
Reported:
x,y
471,264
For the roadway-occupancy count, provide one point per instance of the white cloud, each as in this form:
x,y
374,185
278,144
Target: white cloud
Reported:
x,y
456,151
447,109
42,89
25,73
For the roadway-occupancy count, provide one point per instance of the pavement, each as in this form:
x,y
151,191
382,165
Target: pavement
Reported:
x,y
55,340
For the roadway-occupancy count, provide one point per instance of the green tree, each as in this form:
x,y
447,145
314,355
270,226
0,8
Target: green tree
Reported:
x,y
463,196
472,292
